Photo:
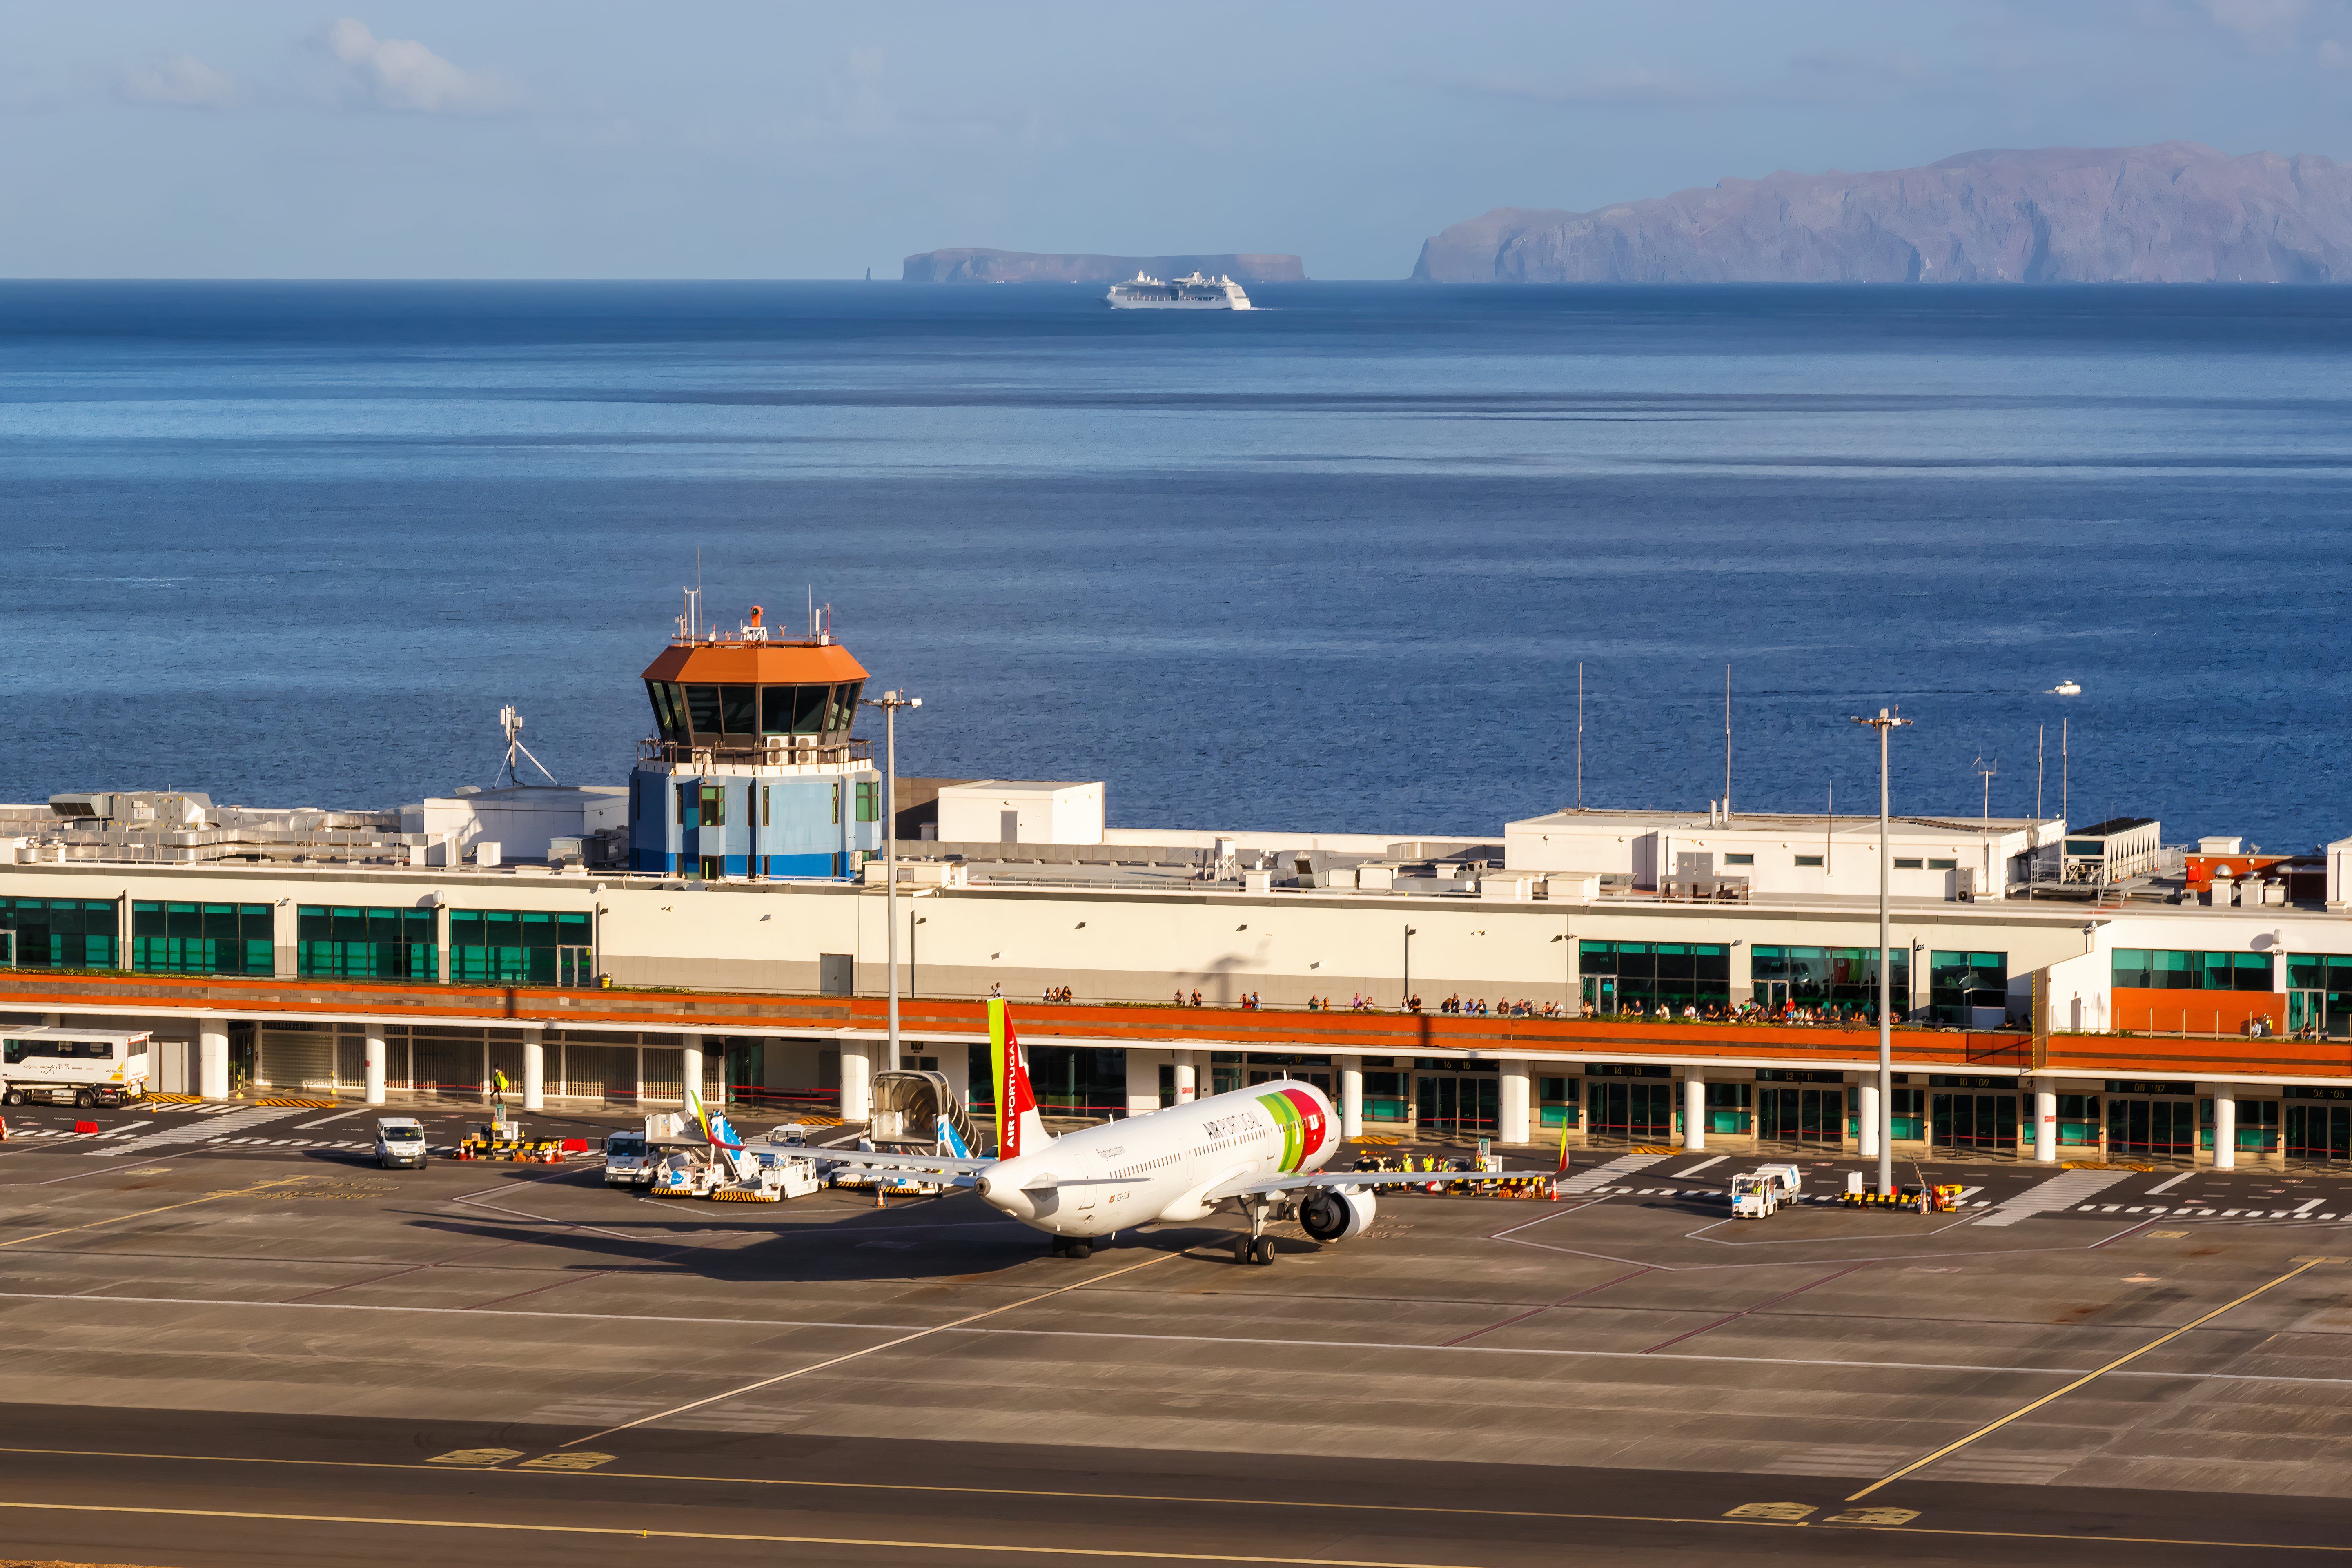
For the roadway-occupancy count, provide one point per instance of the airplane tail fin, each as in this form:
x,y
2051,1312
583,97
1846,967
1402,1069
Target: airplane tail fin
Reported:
x,y
1019,1129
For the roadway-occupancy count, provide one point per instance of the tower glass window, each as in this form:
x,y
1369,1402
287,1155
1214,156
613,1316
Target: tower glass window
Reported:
x,y
702,709
738,711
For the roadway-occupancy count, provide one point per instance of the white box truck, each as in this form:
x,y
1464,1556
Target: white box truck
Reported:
x,y
73,1067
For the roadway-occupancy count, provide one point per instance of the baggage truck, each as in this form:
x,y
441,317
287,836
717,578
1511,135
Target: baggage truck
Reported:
x,y
73,1067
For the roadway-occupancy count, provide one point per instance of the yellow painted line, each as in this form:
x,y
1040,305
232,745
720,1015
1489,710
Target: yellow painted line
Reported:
x,y
622,1532
872,1350
142,1214
2086,1377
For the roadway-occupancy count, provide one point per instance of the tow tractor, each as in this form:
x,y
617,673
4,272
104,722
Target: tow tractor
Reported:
x,y
1759,1193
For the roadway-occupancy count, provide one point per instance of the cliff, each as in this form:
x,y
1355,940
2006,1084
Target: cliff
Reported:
x,y
1031,266
2176,213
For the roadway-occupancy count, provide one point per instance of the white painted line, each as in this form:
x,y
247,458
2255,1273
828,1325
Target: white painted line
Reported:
x,y
753,1324
2231,1214
1703,1164
1970,1192
2134,1209
2309,1206
306,1126
2168,1183
119,1131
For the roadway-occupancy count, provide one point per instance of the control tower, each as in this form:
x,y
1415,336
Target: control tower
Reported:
x,y
752,769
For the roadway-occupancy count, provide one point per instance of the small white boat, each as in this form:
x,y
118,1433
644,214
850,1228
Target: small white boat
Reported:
x,y
2066,688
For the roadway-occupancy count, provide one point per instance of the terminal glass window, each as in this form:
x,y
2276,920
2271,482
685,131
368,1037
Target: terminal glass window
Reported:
x,y
529,947
203,939
59,933
2158,969
1385,1095
345,944
1079,1081
2324,981
2258,1125
1840,980
1958,982
1557,1102
1728,1107
1652,975
1907,1115
2078,1120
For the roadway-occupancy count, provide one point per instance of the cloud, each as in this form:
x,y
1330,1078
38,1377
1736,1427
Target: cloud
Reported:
x,y
2265,23
402,74
1617,85
182,81
2334,56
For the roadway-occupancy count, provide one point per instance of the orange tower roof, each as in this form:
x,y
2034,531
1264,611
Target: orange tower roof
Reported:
x,y
755,664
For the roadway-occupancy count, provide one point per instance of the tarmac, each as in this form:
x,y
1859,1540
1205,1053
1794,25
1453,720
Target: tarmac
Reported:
x,y
236,1340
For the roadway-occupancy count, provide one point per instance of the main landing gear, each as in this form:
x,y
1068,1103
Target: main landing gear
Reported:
x,y
1257,1247
1078,1247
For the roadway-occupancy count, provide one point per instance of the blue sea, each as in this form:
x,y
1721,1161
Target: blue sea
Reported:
x,y
1331,565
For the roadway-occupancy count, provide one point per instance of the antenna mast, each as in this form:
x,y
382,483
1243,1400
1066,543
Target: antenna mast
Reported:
x,y
510,722
1580,734
2064,768
1726,745
1987,770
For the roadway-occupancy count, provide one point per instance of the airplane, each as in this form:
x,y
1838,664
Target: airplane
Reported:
x,y
1257,1151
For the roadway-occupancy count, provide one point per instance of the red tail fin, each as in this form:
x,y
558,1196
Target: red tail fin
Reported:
x,y
1019,1129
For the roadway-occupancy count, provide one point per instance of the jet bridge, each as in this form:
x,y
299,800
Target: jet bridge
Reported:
x,y
917,1107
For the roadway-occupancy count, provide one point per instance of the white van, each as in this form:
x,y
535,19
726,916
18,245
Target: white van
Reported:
x,y
73,1067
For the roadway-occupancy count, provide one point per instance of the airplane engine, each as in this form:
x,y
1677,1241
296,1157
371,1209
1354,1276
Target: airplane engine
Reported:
x,y
1327,1216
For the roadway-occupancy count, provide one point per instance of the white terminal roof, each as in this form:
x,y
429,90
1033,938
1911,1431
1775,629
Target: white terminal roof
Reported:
x,y
1593,822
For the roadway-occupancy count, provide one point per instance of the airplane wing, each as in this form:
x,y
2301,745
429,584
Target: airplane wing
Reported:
x,y
893,1160
1245,1186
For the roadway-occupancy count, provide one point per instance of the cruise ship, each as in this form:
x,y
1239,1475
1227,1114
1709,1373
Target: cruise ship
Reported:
x,y
1193,293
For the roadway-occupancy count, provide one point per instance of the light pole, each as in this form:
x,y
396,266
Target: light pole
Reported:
x,y
1887,720
1404,1001
890,702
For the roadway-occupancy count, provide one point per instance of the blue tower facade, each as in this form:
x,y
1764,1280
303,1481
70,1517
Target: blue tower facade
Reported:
x,y
753,769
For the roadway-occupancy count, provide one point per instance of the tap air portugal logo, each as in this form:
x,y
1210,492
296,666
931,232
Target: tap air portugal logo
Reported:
x,y
1302,1121
1014,1099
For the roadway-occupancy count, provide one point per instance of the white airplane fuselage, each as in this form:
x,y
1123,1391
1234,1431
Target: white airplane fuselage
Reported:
x,y
1159,1165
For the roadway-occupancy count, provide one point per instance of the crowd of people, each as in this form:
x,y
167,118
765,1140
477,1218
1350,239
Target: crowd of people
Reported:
x,y
1845,1015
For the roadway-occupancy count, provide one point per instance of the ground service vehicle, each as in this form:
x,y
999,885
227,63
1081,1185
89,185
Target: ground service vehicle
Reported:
x,y
73,1067
399,1141
1759,1194
630,1155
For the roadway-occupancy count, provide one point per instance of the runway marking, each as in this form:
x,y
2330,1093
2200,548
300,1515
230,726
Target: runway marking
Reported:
x,y
1757,1308
2086,1377
994,1548
2167,1184
872,1350
166,1208
1703,1164
298,1304
306,1126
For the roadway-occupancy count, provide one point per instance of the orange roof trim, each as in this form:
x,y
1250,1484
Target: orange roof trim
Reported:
x,y
756,664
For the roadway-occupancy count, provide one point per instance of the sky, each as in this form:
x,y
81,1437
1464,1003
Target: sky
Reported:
x,y
711,138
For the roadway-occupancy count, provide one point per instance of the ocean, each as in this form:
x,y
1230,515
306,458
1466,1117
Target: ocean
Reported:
x,y
1332,564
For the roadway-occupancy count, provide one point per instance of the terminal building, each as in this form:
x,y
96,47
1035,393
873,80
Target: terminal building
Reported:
x,y
1693,979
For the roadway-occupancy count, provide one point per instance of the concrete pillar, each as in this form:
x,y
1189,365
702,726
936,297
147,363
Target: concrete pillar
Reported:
x,y
212,1058
689,1063
1693,1111
1867,1113
857,1081
1513,1109
1352,1098
374,1064
2225,1127
1188,1081
2045,1127
53,1020
534,1070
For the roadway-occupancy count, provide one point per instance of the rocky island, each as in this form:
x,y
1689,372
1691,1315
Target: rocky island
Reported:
x,y
973,265
2175,213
